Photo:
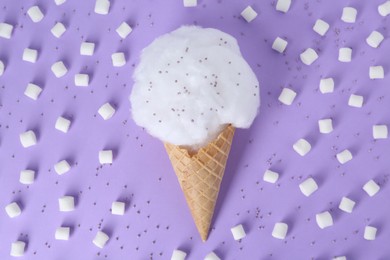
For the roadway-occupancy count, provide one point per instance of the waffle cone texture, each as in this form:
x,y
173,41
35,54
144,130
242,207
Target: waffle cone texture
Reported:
x,y
200,176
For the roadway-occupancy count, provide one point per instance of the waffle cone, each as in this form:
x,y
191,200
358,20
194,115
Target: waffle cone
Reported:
x,y
200,176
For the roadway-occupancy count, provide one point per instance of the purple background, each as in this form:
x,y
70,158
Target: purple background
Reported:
x,y
157,219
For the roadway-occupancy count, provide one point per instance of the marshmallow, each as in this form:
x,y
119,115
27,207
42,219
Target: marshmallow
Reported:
x,y
106,111
355,100
190,3
344,156
302,147
118,59
347,205
58,29
308,186
371,188
249,14
81,80
212,256
100,239
376,72
13,210
2,67
102,7
105,156
287,96
59,69
375,39
123,30
279,45
340,258
384,9
379,131
62,124
87,48
326,85
370,232
349,15
32,91
280,230
321,27
238,232
62,167
27,177
59,2
283,5
30,55
345,54
28,139
6,30
118,208
309,56
324,219
325,126
17,248
178,255
66,203
270,176
35,14
62,233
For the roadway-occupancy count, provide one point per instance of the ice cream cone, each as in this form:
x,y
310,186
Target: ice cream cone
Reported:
x,y
200,176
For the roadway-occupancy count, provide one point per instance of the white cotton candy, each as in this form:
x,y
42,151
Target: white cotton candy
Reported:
x,y
279,45
32,91
344,156
2,67
123,30
347,205
283,5
384,8
27,177
59,69
321,27
58,30
17,248
355,100
87,48
376,72
100,239
106,111
249,14
238,232
325,126
118,59
62,124
190,3
178,255
302,147
59,2
62,167
30,55
287,96
308,187
118,208
102,7
66,203
35,14
370,233
324,219
349,15
190,84
270,176
13,210
345,54
6,30
280,230
212,256
326,85
28,139
62,233
374,39
380,131
81,80
371,188
309,56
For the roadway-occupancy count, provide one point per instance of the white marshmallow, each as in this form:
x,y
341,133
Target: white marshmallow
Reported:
x,y
32,91
178,255
62,233
87,48
212,256
118,208
349,15
59,2
379,131
340,258
102,7
270,176
376,72
13,210
105,156
238,232
100,239
17,248
345,54
58,29
62,124
279,45
370,233
118,59
308,186
66,203
81,80
190,3
30,55
384,9
62,167
59,69
28,139
375,39
344,156
123,30
325,126
6,30
106,111
371,188
27,177
283,5
302,147
321,27
324,219
287,96
347,205
309,56
35,14
280,230
355,100
249,14
326,85
2,67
